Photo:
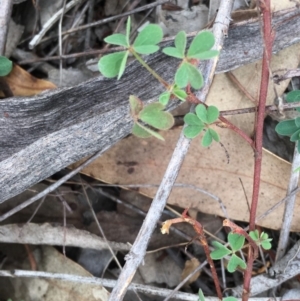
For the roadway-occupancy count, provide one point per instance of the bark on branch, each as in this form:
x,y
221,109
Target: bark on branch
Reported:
x,y
43,134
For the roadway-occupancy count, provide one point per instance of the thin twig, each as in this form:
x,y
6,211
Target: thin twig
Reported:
x,y
99,226
155,291
240,86
289,74
37,38
274,207
46,234
107,20
90,17
138,250
289,207
60,40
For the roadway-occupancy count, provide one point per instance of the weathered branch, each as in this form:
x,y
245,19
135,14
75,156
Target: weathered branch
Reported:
x,y
43,134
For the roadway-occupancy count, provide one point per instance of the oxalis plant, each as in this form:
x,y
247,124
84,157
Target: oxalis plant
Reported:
x,y
230,252
237,243
150,118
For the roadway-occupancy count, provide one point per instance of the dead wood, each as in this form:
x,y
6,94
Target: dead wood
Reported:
x,y
43,134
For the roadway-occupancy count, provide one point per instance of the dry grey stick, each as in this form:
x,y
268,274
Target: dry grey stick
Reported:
x,y
138,250
43,134
5,12
37,38
113,18
289,207
155,291
51,187
46,234
285,269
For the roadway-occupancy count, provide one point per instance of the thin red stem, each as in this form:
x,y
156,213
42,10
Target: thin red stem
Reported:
x,y
199,230
265,9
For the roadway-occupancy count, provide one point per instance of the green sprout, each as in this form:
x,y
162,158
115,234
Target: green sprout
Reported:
x,y
114,64
200,121
236,243
262,239
5,66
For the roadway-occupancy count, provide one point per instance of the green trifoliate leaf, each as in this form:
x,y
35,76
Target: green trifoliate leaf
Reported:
x,y
144,132
201,112
5,66
117,39
180,42
236,241
128,26
220,251
172,51
293,96
154,116
204,41
296,136
214,135
286,127
192,119
110,65
136,106
180,94
212,114
146,49
234,263
207,139
205,55
201,295
150,35
164,97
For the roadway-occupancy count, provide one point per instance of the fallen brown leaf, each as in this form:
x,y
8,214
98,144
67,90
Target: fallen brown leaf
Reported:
x,y
22,83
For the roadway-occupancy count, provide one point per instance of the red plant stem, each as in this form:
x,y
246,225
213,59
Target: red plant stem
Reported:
x,y
236,229
237,130
199,230
265,9
267,31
